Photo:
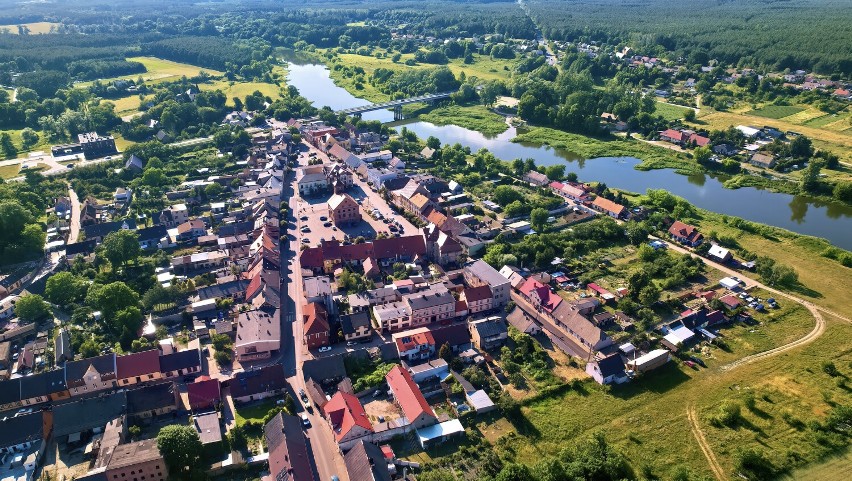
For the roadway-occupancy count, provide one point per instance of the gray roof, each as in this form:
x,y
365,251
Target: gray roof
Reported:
x,y
287,449
88,413
150,398
486,273
43,384
351,322
366,462
20,429
430,298
208,428
324,368
490,328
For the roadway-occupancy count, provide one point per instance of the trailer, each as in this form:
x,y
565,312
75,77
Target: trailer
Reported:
x,y
650,361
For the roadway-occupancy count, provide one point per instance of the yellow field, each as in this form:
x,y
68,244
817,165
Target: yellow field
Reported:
x,y
159,70
35,27
242,89
9,171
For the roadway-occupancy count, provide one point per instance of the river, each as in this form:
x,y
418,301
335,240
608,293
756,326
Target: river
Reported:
x,y
795,213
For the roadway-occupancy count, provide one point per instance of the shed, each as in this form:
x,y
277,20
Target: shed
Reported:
x,y
438,433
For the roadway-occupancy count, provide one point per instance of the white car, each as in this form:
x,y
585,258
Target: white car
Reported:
x,y
325,349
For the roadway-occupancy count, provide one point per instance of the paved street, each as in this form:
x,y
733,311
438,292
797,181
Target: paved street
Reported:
x,y
74,231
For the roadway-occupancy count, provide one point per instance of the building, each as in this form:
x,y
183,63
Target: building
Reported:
x,y
151,401
139,461
191,230
366,462
173,215
415,345
258,334
539,295
347,418
257,384
356,326
317,329
489,333
569,318
478,299
536,178
204,394
607,370
609,207
719,253
318,289
685,234
759,159
479,273
138,367
287,447
392,316
409,398
311,180
209,432
343,210
180,363
97,232
91,375
95,146
434,304
61,347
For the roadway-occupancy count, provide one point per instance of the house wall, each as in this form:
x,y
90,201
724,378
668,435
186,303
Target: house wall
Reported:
x,y
154,470
140,379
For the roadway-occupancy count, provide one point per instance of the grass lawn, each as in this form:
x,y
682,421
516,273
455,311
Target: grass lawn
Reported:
x,y
159,70
776,111
42,144
35,27
834,468
484,68
254,412
9,171
669,111
474,117
646,419
242,89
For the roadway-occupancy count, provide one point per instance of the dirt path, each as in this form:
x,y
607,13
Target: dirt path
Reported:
x,y
702,443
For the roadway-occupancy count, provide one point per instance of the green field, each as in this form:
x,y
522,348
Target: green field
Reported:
x,y
776,111
9,171
669,111
254,412
159,70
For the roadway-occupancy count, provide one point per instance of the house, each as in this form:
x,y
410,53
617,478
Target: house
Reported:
x,y
122,195
489,333
134,164
409,398
685,234
427,153
356,326
608,370
730,301
430,305
377,178
479,273
609,207
719,253
191,230
347,418
725,149
568,191
97,232
152,237
258,334
521,321
397,164
366,462
136,460
599,291
435,369
415,344
765,160
173,215
536,178
326,369
287,447
258,383
539,295
61,348
90,375
317,329
343,210
138,367
572,321
318,289
209,432
392,316
203,394
441,248
478,299
43,387
180,363
73,419
152,400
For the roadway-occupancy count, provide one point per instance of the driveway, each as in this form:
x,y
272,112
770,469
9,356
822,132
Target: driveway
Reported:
x,y
74,231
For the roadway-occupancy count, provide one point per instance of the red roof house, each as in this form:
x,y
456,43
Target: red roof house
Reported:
x,y
138,367
409,398
685,233
347,418
540,295
317,329
204,393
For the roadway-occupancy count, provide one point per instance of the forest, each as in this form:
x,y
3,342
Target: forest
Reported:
x,y
776,34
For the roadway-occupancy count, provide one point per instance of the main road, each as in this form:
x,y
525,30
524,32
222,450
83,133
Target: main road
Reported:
x,y
327,457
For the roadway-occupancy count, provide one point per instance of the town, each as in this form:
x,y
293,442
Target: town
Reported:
x,y
465,243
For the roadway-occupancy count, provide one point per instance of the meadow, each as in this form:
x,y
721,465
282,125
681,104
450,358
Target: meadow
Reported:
x,y
34,27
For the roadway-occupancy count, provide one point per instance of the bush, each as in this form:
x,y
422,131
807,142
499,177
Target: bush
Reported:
x,y
829,368
729,415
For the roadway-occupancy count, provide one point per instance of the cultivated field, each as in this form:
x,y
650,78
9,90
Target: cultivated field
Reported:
x,y
776,111
34,28
669,111
159,70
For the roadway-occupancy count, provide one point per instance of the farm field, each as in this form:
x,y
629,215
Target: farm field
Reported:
x,y
776,111
34,27
10,171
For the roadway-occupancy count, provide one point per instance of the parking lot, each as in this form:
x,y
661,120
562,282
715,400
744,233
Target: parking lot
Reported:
x,y
314,223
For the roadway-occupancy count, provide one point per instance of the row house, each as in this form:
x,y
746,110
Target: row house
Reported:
x,y
316,327
199,261
480,273
91,375
573,192
612,209
435,304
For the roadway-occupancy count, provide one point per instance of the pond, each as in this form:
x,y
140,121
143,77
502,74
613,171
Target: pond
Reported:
x,y
796,213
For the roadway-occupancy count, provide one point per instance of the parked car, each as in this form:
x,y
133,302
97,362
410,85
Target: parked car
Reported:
x,y
305,421
697,361
323,218
691,364
325,349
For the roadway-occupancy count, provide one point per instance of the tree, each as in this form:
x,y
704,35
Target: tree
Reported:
x,y
121,247
214,190
505,195
29,137
701,154
810,176
64,288
433,142
32,308
801,147
514,472
843,192
555,172
6,145
445,352
649,294
111,298
181,449
538,218
126,323
689,115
